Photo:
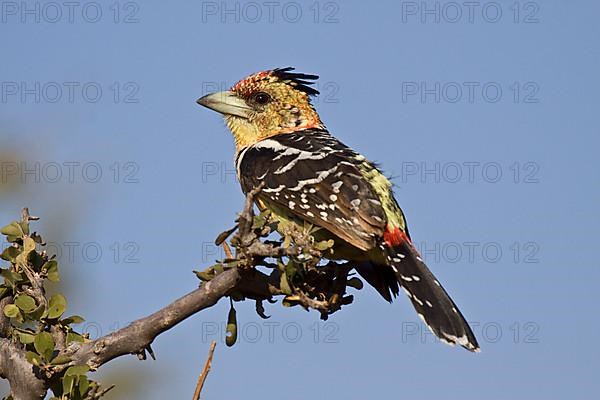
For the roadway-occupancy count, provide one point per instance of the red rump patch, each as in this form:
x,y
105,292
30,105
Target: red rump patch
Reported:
x,y
394,236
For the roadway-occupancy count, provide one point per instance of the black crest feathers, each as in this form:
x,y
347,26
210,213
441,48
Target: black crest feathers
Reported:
x,y
297,80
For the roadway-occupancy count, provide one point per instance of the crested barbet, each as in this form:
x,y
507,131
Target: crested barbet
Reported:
x,y
310,176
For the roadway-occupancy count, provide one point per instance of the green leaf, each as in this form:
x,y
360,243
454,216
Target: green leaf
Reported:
x,y
11,311
62,359
44,345
224,235
25,338
13,239
10,254
33,358
25,302
37,313
84,385
74,337
324,245
12,229
56,306
24,227
11,277
205,275
284,284
77,370
51,268
291,269
231,333
67,383
258,222
28,244
48,265
73,319
218,268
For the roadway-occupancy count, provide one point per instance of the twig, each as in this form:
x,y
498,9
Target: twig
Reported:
x,y
227,250
37,282
245,235
205,372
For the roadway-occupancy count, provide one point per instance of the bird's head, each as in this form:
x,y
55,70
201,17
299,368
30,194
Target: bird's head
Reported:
x,y
265,104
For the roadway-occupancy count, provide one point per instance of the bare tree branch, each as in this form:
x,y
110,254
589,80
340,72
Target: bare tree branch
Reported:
x,y
4,320
25,384
136,337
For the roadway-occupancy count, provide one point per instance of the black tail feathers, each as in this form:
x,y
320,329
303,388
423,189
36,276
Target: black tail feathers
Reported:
x,y
405,269
381,277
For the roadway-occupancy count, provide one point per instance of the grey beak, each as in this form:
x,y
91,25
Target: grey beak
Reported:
x,y
226,103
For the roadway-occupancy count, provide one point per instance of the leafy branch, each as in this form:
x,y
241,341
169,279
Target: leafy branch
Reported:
x,y
41,350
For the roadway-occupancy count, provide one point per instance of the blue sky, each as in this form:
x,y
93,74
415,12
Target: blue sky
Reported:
x,y
486,117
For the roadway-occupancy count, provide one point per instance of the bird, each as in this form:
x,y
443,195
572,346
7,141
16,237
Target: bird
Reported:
x,y
309,176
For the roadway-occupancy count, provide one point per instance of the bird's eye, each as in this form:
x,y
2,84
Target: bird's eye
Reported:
x,y
261,98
